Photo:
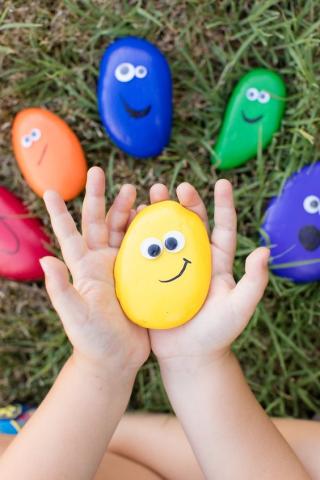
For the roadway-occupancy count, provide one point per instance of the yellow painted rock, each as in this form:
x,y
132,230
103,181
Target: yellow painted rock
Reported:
x,y
163,268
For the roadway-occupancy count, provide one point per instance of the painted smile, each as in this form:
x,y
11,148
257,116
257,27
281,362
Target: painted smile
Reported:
x,y
15,240
251,120
185,264
135,113
42,154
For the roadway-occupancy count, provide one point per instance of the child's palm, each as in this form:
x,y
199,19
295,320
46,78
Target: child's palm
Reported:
x,y
89,310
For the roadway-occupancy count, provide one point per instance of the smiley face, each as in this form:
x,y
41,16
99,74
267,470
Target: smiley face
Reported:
x,y
292,227
135,96
252,116
48,153
163,268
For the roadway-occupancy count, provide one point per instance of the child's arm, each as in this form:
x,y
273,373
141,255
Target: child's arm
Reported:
x,y
68,435
230,434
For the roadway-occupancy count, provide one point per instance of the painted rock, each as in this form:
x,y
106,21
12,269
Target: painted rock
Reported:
x,y
48,153
22,240
163,267
292,227
135,96
252,116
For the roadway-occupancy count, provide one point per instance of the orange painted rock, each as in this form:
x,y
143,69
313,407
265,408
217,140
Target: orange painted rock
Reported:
x,y
48,153
22,240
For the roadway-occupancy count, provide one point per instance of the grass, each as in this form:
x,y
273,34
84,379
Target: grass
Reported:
x,y
49,56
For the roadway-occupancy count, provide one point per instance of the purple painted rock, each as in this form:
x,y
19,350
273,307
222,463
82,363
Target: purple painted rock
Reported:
x,y
22,240
292,227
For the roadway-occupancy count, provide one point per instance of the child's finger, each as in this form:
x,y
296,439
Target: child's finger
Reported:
x,y
119,214
72,244
94,228
249,290
158,193
224,235
64,297
141,207
190,198
133,213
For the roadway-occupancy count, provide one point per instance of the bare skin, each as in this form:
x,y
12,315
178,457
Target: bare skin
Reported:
x,y
204,382
154,446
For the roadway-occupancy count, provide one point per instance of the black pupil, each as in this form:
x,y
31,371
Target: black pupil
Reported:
x,y
314,203
171,243
124,70
154,250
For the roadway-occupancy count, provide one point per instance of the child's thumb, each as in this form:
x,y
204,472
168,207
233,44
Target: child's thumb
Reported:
x,y
64,297
249,290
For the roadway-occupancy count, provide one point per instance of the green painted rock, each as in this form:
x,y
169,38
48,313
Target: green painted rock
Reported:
x,y
252,116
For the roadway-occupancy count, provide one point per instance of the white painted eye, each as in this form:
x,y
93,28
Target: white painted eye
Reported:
x,y
35,134
252,94
151,248
124,72
141,71
174,241
26,141
264,97
311,204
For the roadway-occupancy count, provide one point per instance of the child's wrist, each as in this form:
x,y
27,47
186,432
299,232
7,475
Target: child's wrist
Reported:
x,y
196,378
188,366
103,372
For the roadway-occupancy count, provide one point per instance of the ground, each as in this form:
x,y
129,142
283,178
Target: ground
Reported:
x,y
49,56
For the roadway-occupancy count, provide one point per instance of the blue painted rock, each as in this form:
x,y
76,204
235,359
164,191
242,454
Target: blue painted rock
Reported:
x,y
135,96
22,240
292,227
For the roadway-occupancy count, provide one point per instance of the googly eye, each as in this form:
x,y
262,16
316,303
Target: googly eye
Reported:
x,y
252,94
26,141
311,204
151,248
124,72
264,97
141,71
174,241
35,134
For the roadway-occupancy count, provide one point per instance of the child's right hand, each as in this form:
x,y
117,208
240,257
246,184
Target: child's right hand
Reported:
x,y
89,310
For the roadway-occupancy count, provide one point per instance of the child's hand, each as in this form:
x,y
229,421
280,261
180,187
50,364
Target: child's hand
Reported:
x,y
229,306
91,315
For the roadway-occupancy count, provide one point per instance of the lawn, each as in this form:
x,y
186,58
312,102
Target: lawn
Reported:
x,y
49,56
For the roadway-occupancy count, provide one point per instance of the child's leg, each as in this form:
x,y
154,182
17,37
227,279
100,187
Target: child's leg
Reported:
x,y
304,438
112,467
5,441
158,441
115,467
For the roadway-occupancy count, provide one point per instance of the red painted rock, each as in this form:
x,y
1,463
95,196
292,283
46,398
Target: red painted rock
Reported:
x,y
22,240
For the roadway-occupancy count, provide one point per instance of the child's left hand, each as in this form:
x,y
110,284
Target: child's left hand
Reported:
x,y
89,310
229,306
